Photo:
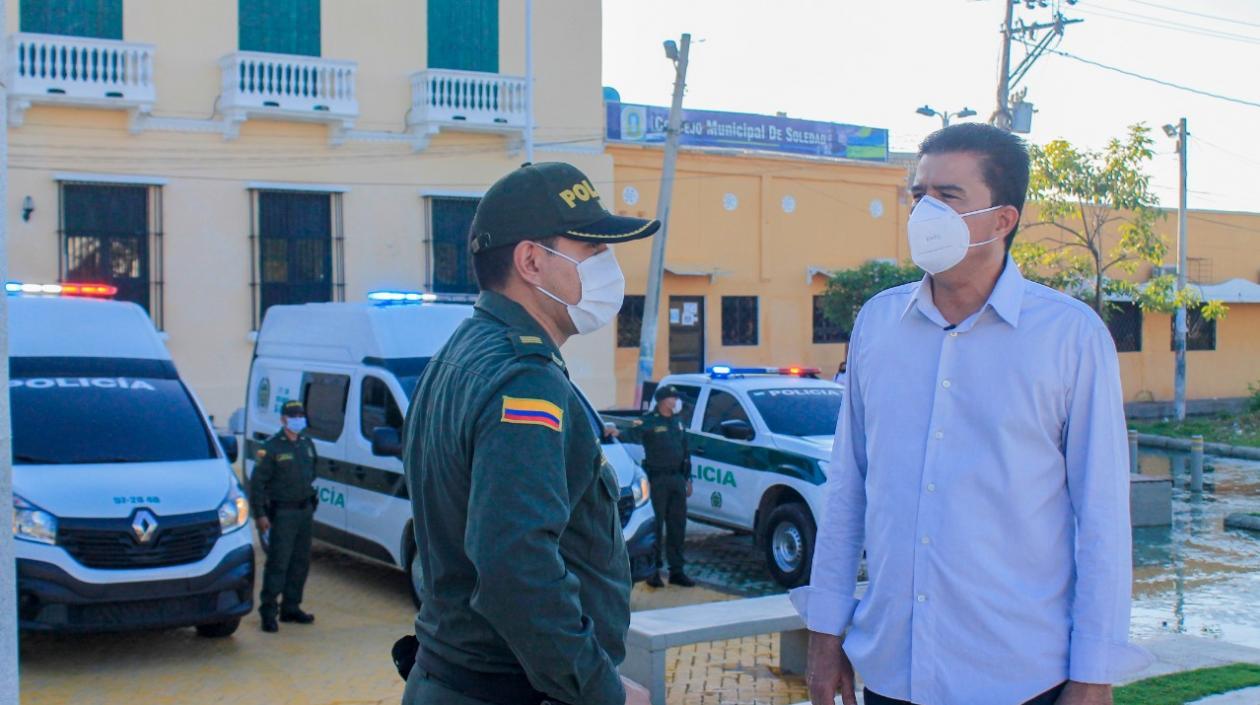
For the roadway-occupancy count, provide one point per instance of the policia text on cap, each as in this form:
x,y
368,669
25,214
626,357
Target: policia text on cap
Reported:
x,y
526,581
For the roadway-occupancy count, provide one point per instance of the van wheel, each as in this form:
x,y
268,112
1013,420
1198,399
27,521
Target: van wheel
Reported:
x,y
789,544
415,572
218,630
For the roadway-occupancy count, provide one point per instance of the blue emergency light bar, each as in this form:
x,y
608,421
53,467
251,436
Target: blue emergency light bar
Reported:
x,y
61,289
726,372
401,297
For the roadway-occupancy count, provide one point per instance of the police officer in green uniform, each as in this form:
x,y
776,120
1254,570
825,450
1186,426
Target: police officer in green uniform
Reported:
x,y
526,580
668,466
282,498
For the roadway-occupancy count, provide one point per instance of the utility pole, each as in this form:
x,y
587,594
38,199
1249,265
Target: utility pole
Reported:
x,y
1179,334
1008,78
529,81
8,562
1002,116
656,270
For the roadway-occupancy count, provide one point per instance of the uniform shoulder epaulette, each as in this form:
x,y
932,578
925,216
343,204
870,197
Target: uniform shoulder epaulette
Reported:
x,y
534,346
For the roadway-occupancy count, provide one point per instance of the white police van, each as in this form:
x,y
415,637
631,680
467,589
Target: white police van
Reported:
x,y
355,367
760,441
127,513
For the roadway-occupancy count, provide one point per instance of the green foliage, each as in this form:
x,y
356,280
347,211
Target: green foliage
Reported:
x,y
1180,688
1253,403
848,289
1238,430
1078,195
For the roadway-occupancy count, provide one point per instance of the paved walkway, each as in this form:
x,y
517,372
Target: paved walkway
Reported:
x,y
1248,696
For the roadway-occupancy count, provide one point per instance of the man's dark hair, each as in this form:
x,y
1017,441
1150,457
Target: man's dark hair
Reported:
x,y
1003,161
493,266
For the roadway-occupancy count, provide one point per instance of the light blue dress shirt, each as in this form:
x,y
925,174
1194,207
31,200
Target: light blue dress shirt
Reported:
x,y
984,469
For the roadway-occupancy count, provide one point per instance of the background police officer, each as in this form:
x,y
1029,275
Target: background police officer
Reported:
x,y
283,499
526,580
668,466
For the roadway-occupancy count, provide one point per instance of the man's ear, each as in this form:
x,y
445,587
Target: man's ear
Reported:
x,y
525,258
1007,218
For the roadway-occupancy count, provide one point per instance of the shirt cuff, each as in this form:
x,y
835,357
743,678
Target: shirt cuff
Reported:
x,y
1104,662
824,611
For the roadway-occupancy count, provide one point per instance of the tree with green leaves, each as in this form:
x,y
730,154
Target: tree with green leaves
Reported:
x,y
848,289
1081,195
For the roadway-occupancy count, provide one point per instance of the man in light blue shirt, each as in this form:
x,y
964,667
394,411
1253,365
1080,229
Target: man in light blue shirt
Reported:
x,y
981,461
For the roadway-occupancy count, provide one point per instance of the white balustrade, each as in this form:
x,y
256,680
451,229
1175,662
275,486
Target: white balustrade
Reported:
x,y
55,68
443,98
256,83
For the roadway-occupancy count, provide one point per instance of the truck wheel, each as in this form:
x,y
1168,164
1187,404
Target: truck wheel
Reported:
x,y
789,544
415,573
218,630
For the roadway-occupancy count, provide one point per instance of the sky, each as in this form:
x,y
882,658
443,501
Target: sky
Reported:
x,y
872,63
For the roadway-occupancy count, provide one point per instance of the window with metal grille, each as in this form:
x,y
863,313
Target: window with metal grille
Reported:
x,y
464,35
111,234
451,268
1200,332
101,19
630,322
279,26
1124,320
299,249
824,330
739,320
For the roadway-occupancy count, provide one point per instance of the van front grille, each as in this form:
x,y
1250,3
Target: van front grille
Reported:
x,y
113,544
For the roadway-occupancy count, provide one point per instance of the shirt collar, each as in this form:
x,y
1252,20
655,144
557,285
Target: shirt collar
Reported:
x,y
1006,299
513,315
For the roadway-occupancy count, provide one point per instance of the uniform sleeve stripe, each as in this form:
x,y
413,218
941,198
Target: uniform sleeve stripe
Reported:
x,y
532,411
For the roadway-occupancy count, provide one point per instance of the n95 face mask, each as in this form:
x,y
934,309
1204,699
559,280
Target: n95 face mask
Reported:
x,y
939,238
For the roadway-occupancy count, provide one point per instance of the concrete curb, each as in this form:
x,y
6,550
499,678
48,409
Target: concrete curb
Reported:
x,y
1247,696
1183,444
1239,520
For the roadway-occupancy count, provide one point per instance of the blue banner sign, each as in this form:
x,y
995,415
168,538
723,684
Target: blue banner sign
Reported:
x,y
646,124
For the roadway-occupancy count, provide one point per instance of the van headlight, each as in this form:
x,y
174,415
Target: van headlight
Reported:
x,y
234,512
32,523
641,489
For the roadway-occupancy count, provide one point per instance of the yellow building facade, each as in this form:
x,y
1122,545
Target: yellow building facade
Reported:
x,y
212,158
747,226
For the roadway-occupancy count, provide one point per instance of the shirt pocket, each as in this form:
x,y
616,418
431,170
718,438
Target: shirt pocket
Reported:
x,y
607,525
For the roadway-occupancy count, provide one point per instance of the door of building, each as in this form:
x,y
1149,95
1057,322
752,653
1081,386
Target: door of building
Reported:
x,y
686,334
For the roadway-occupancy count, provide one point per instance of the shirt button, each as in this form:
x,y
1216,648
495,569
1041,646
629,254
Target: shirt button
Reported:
x,y
925,540
931,487
939,435
921,598
945,384
953,334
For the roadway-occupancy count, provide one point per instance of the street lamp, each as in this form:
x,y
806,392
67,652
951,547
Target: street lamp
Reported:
x,y
928,111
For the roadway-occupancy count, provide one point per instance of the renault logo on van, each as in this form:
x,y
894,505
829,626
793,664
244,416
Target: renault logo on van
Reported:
x,y
144,525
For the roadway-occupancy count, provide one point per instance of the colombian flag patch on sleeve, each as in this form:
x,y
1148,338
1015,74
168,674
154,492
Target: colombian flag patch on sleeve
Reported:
x,y
533,412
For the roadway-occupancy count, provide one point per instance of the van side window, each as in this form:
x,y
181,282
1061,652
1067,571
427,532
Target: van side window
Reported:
x,y
722,406
690,395
377,407
324,396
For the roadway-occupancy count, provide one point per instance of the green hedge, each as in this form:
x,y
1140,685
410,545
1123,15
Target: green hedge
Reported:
x,y
1189,686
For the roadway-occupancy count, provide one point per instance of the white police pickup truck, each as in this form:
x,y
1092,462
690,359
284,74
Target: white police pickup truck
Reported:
x,y
760,441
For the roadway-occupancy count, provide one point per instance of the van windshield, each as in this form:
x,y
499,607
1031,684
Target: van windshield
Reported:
x,y
69,413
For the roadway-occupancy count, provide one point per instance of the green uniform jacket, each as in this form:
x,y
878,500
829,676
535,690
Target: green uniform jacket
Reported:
x,y
284,471
664,442
525,569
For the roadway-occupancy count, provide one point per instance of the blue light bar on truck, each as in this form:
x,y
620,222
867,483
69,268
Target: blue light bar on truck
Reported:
x,y
725,371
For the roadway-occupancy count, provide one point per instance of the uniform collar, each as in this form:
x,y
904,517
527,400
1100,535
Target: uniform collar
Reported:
x,y
514,316
1006,299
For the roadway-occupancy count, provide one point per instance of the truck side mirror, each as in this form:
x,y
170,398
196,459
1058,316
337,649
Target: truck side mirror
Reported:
x,y
230,447
737,430
386,442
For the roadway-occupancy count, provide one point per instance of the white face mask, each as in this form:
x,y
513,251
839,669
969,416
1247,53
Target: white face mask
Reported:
x,y
677,406
939,238
296,424
603,290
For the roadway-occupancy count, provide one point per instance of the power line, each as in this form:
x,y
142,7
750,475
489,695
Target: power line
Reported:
x,y
1192,13
1151,79
1172,25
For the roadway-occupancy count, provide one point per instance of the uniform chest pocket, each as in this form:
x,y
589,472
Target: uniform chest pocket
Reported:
x,y
605,496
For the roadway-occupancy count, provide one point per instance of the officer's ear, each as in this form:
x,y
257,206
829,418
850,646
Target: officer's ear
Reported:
x,y
527,260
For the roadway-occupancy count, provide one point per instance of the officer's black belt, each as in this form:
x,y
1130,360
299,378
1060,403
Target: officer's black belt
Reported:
x,y
497,688
296,504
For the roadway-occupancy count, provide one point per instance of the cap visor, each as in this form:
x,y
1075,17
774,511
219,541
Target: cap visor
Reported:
x,y
614,228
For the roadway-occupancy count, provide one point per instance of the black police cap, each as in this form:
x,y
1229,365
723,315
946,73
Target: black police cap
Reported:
x,y
544,200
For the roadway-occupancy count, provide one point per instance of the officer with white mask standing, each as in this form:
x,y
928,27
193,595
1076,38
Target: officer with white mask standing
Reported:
x,y
526,587
981,463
